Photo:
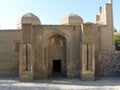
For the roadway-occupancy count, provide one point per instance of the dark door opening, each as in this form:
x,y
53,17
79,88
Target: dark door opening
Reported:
x,y
56,66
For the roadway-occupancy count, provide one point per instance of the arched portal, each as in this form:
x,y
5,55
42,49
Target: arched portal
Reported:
x,y
57,52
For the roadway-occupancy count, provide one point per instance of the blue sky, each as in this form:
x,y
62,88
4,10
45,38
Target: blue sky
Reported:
x,y
52,11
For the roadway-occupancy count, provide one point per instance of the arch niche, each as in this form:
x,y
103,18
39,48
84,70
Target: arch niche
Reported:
x,y
57,48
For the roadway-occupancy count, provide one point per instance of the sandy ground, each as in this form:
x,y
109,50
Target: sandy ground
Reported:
x,y
60,84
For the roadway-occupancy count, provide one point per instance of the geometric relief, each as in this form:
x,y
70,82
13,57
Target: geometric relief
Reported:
x,y
56,41
88,56
26,63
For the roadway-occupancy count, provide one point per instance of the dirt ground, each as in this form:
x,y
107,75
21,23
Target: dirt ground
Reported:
x,y
61,84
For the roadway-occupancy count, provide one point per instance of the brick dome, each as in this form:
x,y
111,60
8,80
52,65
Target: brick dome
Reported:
x,y
29,18
72,19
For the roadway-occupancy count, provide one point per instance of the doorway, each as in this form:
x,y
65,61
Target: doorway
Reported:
x,y
56,66
57,53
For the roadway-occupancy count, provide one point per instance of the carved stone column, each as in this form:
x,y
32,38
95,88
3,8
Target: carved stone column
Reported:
x,y
26,70
88,61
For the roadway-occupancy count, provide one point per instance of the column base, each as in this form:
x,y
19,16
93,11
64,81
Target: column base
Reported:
x,y
26,76
88,76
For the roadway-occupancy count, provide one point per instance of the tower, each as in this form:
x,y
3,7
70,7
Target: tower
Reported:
x,y
110,1
109,22
26,23
105,19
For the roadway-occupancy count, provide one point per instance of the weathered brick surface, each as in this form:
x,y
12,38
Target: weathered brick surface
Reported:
x,y
9,58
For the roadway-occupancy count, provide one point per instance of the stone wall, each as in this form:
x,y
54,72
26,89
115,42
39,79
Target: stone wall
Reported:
x,y
9,52
108,64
